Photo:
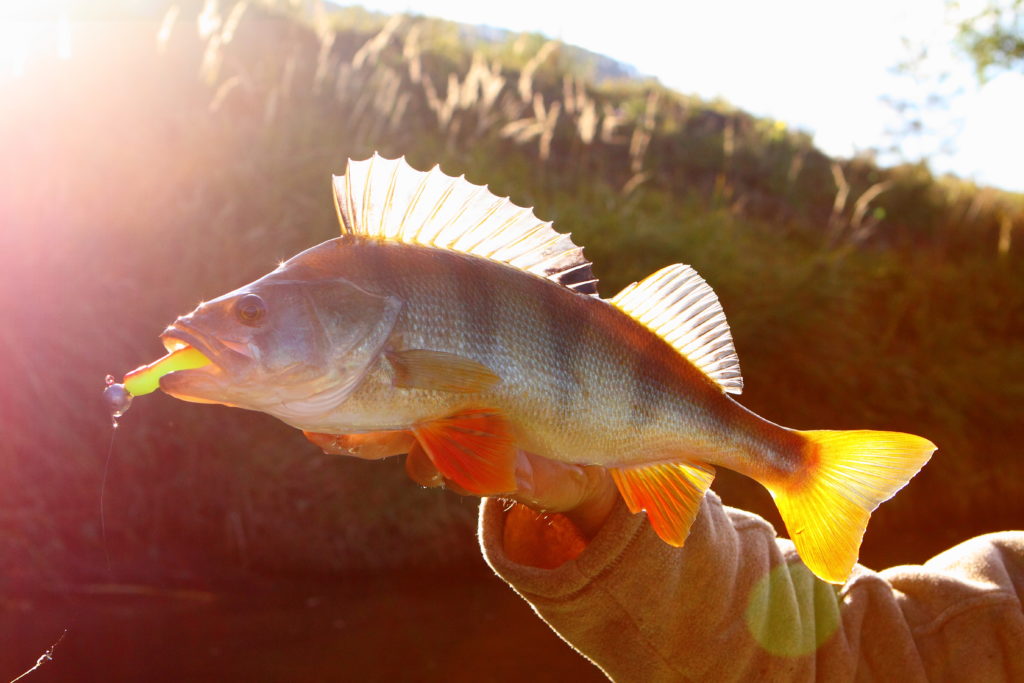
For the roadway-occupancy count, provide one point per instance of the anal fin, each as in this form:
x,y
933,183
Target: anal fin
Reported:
x,y
474,448
670,492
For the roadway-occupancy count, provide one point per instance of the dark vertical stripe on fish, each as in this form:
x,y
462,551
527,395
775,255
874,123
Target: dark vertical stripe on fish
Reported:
x,y
562,337
478,300
642,397
591,343
489,294
372,259
427,282
576,351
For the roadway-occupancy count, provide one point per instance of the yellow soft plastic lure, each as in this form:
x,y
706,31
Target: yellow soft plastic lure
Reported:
x,y
146,378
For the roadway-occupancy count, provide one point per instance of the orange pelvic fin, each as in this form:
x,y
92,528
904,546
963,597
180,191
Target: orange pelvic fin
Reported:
x,y
670,492
440,371
368,446
847,475
474,448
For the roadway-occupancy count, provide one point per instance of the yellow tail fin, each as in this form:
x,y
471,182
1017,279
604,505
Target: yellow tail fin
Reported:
x,y
847,475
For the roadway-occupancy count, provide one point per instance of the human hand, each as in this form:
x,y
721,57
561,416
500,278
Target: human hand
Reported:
x,y
585,494
568,504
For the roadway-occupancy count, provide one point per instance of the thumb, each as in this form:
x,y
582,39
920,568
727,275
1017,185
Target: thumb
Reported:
x,y
420,468
552,486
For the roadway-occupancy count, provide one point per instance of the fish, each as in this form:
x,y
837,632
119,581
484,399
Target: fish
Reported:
x,y
451,322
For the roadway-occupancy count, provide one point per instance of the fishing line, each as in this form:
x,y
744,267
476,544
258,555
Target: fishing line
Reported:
x,y
103,495
47,656
43,658
118,400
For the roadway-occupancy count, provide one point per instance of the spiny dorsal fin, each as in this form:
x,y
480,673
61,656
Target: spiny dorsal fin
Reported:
x,y
389,199
677,305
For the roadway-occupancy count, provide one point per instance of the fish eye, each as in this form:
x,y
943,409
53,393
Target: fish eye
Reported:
x,y
251,310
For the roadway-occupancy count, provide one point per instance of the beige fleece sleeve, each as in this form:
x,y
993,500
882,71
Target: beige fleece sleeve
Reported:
x,y
737,604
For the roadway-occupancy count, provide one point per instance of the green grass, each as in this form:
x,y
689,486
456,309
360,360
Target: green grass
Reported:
x,y
132,188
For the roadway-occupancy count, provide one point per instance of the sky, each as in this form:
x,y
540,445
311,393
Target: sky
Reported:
x,y
822,66
818,65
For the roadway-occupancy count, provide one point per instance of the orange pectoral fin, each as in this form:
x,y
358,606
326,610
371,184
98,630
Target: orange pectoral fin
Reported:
x,y
368,446
474,448
670,492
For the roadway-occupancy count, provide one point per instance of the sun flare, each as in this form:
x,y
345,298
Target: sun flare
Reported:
x,y
28,36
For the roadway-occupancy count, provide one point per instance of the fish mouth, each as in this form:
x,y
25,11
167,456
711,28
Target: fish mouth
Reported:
x,y
204,384
226,354
178,336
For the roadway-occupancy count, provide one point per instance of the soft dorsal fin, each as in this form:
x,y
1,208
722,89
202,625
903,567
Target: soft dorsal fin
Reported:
x,y
389,199
677,305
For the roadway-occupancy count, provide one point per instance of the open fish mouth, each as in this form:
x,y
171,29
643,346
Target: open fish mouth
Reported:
x,y
177,337
203,384
223,354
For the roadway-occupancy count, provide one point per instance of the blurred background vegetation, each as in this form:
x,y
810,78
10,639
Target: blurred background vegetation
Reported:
x,y
186,147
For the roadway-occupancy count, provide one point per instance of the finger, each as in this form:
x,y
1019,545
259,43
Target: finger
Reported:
x,y
550,485
420,468
585,493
